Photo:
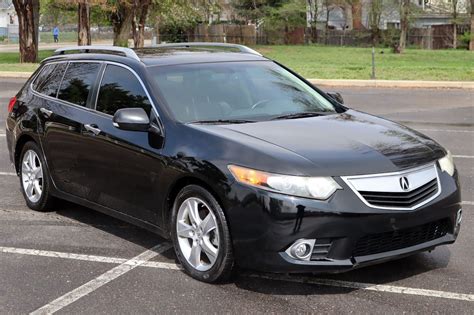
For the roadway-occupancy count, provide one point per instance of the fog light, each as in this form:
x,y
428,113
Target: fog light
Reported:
x,y
301,249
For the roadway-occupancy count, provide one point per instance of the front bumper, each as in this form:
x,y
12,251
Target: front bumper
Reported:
x,y
264,224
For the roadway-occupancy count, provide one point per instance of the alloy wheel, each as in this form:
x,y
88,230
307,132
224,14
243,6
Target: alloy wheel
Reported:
x,y
198,235
32,176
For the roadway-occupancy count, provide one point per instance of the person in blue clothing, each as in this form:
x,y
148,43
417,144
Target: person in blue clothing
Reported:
x,y
56,34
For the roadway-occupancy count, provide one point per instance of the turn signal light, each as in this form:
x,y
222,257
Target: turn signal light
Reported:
x,y
249,176
11,104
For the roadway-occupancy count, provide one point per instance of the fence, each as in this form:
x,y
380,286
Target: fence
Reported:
x,y
434,37
10,33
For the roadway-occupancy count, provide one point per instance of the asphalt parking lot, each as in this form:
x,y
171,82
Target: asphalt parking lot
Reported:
x,y
75,260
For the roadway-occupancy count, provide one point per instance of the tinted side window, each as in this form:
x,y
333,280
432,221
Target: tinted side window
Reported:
x,y
121,89
49,79
78,81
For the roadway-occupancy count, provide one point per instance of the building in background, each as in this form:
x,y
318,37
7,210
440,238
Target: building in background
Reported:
x,y
8,20
426,13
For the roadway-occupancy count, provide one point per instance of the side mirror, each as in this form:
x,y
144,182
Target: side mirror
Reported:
x,y
336,96
132,119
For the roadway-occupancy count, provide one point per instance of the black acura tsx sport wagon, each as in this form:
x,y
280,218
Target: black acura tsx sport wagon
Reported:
x,y
235,158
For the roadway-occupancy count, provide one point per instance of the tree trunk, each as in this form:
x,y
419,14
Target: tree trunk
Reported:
x,y
326,31
349,18
455,35
471,43
455,23
28,20
356,15
83,23
373,20
311,21
139,28
404,12
122,23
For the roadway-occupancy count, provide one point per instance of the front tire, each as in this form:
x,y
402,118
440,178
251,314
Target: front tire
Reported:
x,y
34,178
200,235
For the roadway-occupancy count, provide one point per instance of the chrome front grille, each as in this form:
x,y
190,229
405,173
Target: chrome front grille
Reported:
x,y
405,190
404,199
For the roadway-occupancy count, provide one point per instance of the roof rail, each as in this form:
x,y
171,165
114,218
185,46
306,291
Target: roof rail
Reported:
x,y
241,48
127,52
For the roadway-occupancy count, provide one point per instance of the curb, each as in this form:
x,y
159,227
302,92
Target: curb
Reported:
x,y
15,75
465,85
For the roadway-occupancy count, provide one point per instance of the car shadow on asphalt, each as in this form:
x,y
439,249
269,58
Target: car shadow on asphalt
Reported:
x,y
284,284
386,273
108,224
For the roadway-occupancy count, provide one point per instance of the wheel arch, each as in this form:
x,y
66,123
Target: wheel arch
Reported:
x,y
20,143
177,186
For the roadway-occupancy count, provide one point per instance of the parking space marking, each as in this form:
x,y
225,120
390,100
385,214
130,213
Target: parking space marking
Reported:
x,y
470,203
2,135
143,261
101,280
445,130
83,257
463,156
7,174
369,287
53,254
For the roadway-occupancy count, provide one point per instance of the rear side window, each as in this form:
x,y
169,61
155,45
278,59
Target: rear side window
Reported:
x,y
121,89
49,79
78,81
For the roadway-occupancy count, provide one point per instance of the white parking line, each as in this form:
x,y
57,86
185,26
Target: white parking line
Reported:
x,y
445,130
7,174
2,135
463,156
83,257
370,287
47,253
127,265
100,281
470,203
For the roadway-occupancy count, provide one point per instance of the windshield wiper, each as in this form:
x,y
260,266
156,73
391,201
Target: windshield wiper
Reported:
x,y
222,121
301,115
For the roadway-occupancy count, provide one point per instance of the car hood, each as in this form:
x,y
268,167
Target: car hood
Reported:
x,y
344,144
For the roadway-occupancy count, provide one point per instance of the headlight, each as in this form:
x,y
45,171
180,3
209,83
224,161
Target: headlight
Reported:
x,y
308,187
447,164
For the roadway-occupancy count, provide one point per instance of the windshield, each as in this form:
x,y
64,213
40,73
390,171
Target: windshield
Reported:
x,y
236,92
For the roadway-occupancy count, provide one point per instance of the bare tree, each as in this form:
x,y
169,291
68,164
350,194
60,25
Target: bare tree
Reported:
x,y
28,20
471,42
356,14
454,8
326,28
138,23
374,16
311,20
83,23
404,21
347,13
122,16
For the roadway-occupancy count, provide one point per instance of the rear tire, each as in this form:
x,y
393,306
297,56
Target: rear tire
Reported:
x,y
200,235
34,178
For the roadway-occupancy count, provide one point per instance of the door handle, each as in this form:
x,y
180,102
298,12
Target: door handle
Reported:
x,y
46,112
93,128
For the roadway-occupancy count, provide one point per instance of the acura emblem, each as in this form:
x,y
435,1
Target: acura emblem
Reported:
x,y
404,183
